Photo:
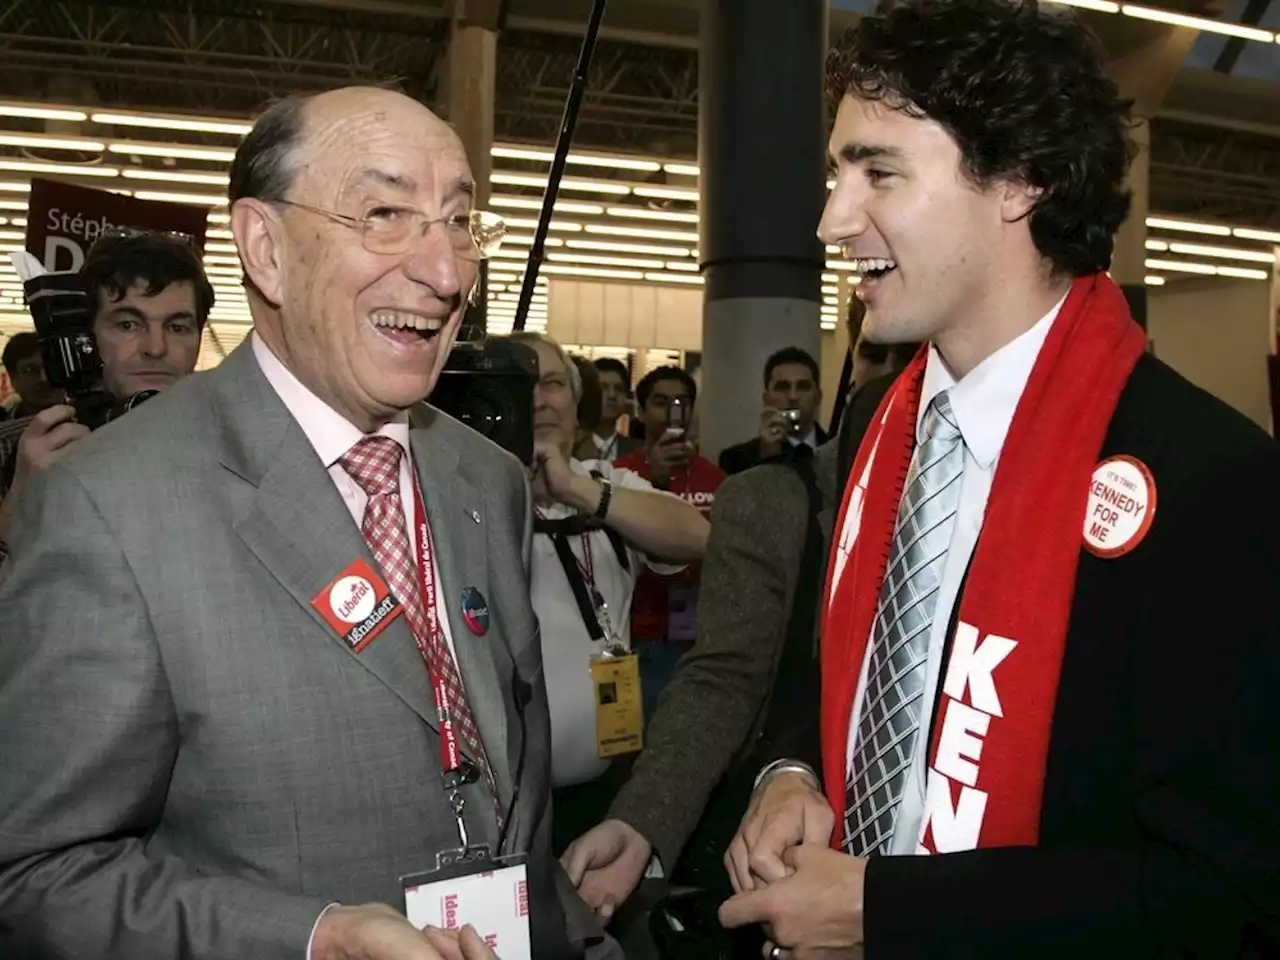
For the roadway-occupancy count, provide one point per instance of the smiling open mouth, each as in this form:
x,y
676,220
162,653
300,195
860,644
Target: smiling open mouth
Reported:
x,y
406,327
873,268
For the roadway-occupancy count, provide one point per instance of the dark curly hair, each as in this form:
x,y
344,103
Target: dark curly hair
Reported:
x,y
1023,92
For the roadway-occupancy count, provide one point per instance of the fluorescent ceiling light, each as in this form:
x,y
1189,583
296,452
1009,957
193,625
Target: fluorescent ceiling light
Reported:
x,y
50,143
63,169
684,266
40,113
567,226
644,233
176,176
198,199
640,213
1197,23
521,240
561,206
681,169
667,193
12,235
564,269
653,250
194,125
219,234
567,183
583,159
689,278
1243,273
220,248
173,151
219,218
1188,226
12,187
1158,245
1204,269
846,266
13,204
1225,253
637,262
1263,236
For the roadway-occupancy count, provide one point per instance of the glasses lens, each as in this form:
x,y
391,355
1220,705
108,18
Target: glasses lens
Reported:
x,y
488,229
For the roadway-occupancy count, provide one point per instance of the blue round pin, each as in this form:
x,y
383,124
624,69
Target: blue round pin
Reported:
x,y
475,611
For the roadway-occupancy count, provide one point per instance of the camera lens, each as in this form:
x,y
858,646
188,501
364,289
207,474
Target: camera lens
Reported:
x,y
484,414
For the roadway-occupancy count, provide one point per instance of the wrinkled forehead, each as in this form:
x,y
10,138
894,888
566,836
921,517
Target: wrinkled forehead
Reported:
x,y
396,153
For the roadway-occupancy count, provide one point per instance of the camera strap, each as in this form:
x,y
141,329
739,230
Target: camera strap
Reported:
x,y
587,596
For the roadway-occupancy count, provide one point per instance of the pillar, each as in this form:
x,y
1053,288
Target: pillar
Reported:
x,y
1128,263
470,90
762,132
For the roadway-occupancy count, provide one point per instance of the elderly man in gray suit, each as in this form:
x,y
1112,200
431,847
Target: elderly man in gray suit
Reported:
x,y
217,744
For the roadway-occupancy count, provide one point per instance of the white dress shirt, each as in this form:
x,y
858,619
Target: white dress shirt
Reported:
x,y
332,435
608,448
567,648
984,402
809,440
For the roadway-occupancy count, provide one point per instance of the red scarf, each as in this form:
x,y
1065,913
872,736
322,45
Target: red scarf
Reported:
x,y
991,736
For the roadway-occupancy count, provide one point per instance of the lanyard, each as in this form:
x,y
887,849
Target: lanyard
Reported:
x,y
592,605
451,761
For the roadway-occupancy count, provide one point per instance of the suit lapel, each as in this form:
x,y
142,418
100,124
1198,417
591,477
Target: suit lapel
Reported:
x,y
454,506
297,524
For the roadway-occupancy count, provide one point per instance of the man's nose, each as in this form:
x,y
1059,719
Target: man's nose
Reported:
x,y
844,217
156,343
433,262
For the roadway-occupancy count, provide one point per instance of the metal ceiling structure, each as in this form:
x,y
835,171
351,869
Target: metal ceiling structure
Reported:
x,y
1214,144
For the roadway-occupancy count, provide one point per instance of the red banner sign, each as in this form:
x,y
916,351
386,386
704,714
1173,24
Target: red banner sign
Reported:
x,y
64,220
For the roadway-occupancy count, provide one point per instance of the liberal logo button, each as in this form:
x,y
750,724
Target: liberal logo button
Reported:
x,y
475,611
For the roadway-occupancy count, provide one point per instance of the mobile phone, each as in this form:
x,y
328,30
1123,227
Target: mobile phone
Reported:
x,y
676,415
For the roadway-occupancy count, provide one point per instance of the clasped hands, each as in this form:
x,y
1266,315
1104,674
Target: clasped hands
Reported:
x,y
786,876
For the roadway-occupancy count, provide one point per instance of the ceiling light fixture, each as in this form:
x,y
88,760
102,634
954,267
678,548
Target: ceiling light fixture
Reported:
x,y
230,128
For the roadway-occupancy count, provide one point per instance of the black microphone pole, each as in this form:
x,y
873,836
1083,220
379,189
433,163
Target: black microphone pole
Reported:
x,y
570,120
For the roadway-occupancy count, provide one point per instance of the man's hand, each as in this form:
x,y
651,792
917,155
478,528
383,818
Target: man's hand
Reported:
x,y
785,812
672,450
552,478
773,431
376,932
47,438
816,911
606,864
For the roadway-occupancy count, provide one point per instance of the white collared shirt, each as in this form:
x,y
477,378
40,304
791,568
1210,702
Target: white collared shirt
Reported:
x,y
332,435
809,440
608,448
984,402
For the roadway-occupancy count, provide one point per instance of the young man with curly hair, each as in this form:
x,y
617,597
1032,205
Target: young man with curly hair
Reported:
x,y
1050,630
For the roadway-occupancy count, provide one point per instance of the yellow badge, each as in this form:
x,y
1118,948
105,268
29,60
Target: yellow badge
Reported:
x,y
619,708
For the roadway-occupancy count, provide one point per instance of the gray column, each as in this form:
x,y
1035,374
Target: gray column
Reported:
x,y
469,88
762,133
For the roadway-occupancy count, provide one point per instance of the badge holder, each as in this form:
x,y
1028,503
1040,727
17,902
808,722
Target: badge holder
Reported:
x,y
470,885
615,676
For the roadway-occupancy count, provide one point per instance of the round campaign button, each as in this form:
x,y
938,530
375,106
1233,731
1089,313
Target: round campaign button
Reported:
x,y
1122,504
475,611
351,599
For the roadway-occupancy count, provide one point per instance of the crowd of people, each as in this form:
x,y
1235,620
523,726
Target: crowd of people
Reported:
x,y
295,666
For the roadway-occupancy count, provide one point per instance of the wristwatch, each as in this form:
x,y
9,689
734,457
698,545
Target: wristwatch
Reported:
x,y
606,494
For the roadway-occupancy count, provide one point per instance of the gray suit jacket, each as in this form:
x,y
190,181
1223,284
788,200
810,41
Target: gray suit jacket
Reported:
x,y
714,708
193,763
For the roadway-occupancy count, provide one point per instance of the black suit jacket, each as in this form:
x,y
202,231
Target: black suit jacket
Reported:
x,y
745,455
1160,828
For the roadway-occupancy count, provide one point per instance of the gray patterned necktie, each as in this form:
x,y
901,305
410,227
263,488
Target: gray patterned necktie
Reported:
x,y
892,707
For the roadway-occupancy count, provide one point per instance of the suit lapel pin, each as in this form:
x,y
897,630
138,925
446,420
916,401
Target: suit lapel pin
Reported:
x,y
475,516
475,611
1122,504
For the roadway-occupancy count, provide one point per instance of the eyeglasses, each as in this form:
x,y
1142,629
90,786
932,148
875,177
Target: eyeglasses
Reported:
x,y
475,235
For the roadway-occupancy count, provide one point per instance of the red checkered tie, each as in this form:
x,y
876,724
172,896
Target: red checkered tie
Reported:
x,y
374,464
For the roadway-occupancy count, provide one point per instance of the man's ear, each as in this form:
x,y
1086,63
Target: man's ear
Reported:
x,y
1018,199
259,236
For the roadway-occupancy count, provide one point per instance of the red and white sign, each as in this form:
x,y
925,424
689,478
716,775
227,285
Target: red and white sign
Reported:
x,y
495,903
1122,504
357,604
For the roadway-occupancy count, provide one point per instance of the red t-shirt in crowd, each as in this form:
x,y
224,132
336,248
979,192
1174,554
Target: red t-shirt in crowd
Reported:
x,y
667,606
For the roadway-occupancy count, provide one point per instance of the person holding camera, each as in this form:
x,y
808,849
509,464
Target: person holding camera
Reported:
x,y
599,528
790,404
664,618
150,299
25,367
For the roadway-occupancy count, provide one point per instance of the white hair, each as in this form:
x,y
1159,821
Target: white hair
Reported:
x,y
570,368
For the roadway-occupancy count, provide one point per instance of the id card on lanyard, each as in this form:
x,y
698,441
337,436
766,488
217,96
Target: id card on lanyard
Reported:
x,y
469,885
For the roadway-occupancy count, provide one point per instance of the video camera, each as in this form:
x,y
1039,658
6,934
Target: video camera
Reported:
x,y
62,310
488,385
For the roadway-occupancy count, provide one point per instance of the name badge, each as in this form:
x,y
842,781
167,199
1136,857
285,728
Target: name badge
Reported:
x,y
358,604
619,707
491,895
